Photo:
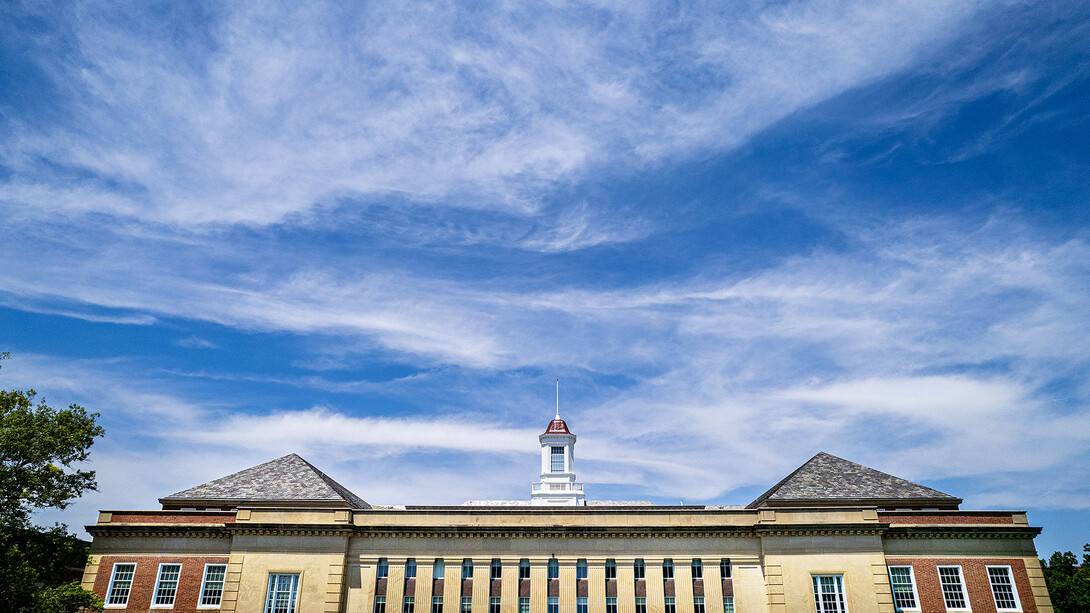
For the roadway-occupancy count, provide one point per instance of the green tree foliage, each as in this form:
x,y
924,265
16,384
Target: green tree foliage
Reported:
x,y
38,446
1068,582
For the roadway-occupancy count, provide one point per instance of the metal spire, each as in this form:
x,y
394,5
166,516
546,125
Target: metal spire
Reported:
x,y
558,399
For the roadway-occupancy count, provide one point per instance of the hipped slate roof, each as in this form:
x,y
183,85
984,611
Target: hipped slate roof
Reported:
x,y
826,479
286,479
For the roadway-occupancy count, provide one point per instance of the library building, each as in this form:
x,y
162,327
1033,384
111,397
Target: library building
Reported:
x,y
831,537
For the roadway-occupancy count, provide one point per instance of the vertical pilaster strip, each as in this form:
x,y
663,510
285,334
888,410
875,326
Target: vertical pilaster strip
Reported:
x,y
231,582
509,585
539,584
361,598
482,584
683,584
773,572
655,594
1037,585
90,573
335,587
713,586
395,585
882,589
750,592
452,585
423,586
596,585
626,585
568,583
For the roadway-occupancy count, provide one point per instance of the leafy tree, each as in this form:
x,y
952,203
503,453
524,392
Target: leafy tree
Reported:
x,y
38,445
1068,584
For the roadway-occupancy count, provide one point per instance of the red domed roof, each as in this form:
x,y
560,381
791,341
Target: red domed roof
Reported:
x,y
557,426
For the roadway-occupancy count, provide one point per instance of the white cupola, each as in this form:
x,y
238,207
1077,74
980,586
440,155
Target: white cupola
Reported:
x,y
557,485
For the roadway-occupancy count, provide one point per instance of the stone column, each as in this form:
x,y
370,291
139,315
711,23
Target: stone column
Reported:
x,y
482,584
568,584
655,595
596,585
539,584
452,585
395,586
626,585
713,587
423,586
509,586
683,585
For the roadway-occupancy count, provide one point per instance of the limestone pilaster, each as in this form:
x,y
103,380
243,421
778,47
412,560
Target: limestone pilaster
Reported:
x,y
452,585
596,585
568,583
655,595
626,585
539,584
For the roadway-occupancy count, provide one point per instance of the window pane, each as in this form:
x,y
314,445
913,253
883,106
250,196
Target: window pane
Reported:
x,y
724,568
671,607
1003,588
383,569
698,604
496,569
408,604
698,569
438,569
554,604
120,584
554,569
467,604
900,579
581,569
728,604
952,593
667,569
436,604
524,604
581,605
611,569
641,604
467,568
638,569
524,569
611,605
493,605
410,568
212,585
282,591
829,593
166,586
557,457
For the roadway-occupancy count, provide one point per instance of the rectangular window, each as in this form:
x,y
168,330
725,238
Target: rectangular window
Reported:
x,y
671,606
829,594
724,568
557,460
581,604
410,568
166,586
667,569
467,604
524,604
698,604
408,604
524,570
611,569
554,569
380,604
495,569
436,604
212,585
611,605
953,588
728,604
638,569
282,590
494,605
904,588
1003,588
117,595
698,569
581,569
383,570
554,605
641,604
438,568
467,569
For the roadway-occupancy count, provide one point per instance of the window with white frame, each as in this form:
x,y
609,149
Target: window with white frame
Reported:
x,y
557,457
698,568
724,568
117,595
667,569
580,569
380,604
698,604
611,569
524,570
553,605
494,605
641,604
495,569
283,588
670,604
1003,588
467,604
467,568
212,585
639,571
436,604
903,583
611,605
410,568
728,604
829,593
581,604
524,604
554,569
408,604
166,585
383,568
953,588
438,568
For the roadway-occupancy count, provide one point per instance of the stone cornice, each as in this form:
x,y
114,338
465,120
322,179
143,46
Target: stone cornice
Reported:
x,y
160,531
962,532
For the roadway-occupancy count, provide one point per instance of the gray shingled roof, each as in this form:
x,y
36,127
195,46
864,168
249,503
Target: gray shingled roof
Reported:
x,y
290,478
826,478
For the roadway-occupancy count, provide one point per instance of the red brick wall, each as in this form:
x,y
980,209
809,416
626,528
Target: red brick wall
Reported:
x,y
172,518
955,518
975,574
147,571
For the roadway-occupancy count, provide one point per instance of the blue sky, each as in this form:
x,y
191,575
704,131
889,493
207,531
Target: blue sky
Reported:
x,y
375,234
